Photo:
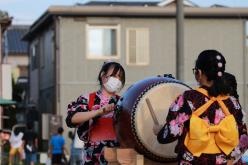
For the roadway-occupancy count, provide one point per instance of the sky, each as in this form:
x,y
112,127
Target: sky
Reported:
x,y
27,11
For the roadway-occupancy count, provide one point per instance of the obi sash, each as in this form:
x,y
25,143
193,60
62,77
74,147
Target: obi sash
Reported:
x,y
103,128
211,139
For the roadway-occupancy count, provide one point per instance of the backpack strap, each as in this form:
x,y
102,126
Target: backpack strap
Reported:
x,y
90,105
205,106
91,100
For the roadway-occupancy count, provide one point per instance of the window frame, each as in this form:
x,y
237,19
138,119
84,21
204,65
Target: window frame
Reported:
x,y
127,47
103,57
34,50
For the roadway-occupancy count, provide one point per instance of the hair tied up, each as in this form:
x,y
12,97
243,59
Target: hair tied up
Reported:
x,y
219,74
212,64
218,57
220,64
107,61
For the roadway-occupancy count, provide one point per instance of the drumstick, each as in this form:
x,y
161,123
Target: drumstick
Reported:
x,y
155,120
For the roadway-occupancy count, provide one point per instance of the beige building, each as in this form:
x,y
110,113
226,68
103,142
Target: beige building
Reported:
x,y
68,45
5,21
5,87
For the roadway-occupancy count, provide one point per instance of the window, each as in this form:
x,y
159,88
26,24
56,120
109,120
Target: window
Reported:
x,y
102,42
137,46
34,56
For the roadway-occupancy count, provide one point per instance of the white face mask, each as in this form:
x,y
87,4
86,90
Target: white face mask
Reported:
x,y
113,85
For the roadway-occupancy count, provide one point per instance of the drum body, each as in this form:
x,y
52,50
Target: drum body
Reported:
x,y
133,120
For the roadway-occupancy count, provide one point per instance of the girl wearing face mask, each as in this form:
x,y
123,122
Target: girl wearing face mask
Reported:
x,y
207,122
92,114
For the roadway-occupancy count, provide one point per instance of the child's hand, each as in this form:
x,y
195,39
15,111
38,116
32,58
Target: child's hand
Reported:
x,y
106,109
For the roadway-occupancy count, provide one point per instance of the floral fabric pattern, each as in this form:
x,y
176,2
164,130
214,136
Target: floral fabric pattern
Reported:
x,y
93,150
177,126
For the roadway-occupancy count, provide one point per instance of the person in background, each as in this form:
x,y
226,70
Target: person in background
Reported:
x,y
30,143
231,82
76,153
57,148
92,113
16,146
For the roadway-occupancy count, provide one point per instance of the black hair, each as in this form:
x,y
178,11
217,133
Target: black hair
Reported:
x,y
60,130
29,125
212,64
117,67
231,82
71,135
16,132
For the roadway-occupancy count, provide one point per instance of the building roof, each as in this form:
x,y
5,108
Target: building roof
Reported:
x,y
119,3
163,3
185,2
14,36
218,5
129,12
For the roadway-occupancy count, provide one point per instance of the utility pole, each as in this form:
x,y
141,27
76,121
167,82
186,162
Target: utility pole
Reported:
x,y
179,40
1,78
4,23
1,108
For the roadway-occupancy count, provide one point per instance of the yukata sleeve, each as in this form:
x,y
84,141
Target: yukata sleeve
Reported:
x,y
243,138
80,105
178,114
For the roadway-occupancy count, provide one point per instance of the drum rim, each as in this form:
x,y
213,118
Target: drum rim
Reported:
x,y
133,113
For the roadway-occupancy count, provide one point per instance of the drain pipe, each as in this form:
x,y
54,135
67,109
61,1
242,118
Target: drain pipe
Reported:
x,y
179,40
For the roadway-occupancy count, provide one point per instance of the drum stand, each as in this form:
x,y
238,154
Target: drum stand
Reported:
x,y
128,156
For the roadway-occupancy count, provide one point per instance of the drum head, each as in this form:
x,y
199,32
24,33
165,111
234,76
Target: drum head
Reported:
x,y
161,97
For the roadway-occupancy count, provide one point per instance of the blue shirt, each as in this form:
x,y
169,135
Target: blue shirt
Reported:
x,y
57,142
